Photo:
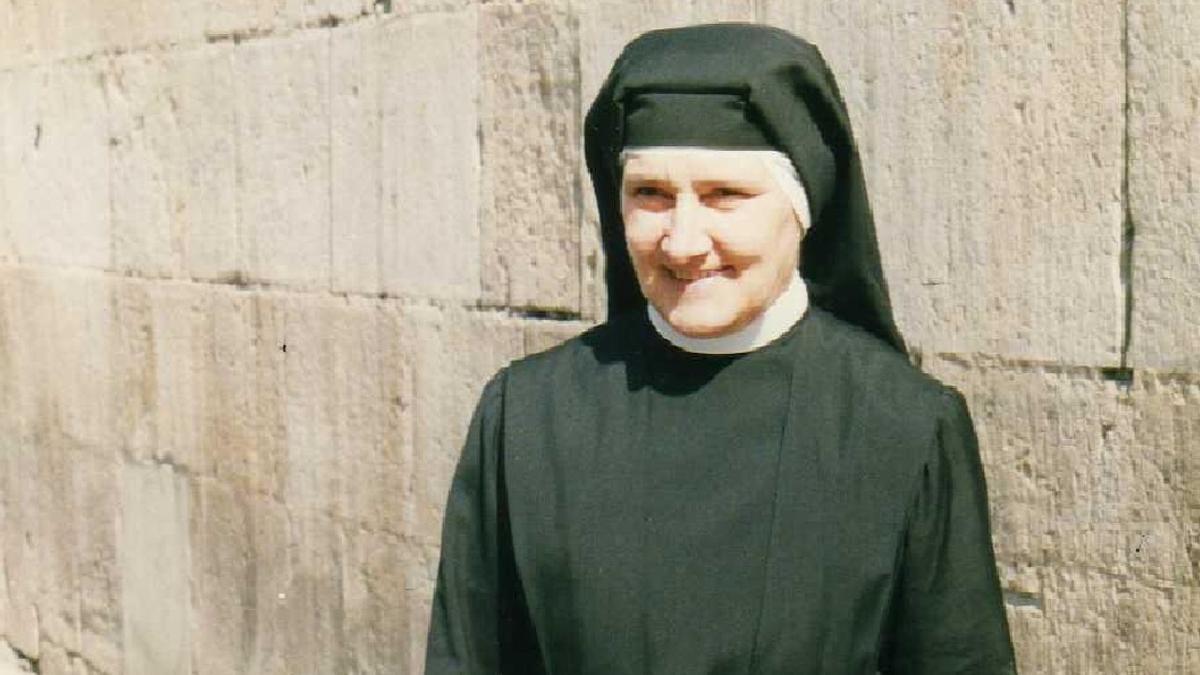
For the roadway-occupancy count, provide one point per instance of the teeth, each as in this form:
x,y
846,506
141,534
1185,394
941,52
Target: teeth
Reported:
x,y
704,274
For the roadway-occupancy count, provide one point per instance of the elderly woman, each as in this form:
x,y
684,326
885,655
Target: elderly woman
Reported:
x,y
740,471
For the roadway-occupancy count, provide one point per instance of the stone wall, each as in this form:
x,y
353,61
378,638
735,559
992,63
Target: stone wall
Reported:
x,y
257,258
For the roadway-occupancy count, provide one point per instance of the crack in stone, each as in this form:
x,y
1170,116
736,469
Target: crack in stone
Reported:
x,y
1128,225
25,662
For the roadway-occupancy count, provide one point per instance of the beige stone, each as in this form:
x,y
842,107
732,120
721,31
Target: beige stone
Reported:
x,y
55,166
356,153
60,504
386,591
1164,175
394,229
241,576
992,140
1095,622
10,663
428,230
173,139
155,574
453,354
39,32
22,541
529,142
281,101
344,409
61,321
1092,514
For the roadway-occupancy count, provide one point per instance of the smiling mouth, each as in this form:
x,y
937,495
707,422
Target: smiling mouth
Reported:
x,y
700,275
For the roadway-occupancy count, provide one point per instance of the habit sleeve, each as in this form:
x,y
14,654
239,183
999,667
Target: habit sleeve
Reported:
x,y
948,615
479,624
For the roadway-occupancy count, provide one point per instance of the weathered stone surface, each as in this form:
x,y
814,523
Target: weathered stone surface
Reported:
x,y
1093,513
173,140
406,157
992,139
282,105
345,408
55,166
387,585
241,577
8,254
356,153
155,574
38,32
33,33
454,353
1164,183
11,663
60,322
58,482
530,149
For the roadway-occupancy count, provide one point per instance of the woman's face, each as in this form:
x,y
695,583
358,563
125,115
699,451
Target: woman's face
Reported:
x,y
712,237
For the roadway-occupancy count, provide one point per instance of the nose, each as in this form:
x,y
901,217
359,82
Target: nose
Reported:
x,y
688,237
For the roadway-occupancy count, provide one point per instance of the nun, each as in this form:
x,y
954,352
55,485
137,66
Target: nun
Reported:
x,y
739,471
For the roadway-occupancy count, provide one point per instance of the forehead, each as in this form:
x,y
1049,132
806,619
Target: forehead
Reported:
x,y
694,164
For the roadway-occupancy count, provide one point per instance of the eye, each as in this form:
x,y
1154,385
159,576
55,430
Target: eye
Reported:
x,y
648,191
728,195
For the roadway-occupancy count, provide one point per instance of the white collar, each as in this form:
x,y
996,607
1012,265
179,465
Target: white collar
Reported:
x,y
767,327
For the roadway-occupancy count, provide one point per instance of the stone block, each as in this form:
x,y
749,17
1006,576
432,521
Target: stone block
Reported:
x,y
59,503
385,595
55,166
429,88
1093,513
8,253
241,577
992,139
59,322
155,570
59,551
1095,622
174,163
204,389
41,32
453,354
530,221
406,157
281,100
1164,172
344,408
356,156
20,537
96,552
11,663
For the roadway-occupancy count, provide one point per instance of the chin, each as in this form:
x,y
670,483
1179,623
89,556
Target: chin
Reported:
x,y
702,324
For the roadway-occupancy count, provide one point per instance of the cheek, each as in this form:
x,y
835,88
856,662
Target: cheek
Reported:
x,y
761,234
642,233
